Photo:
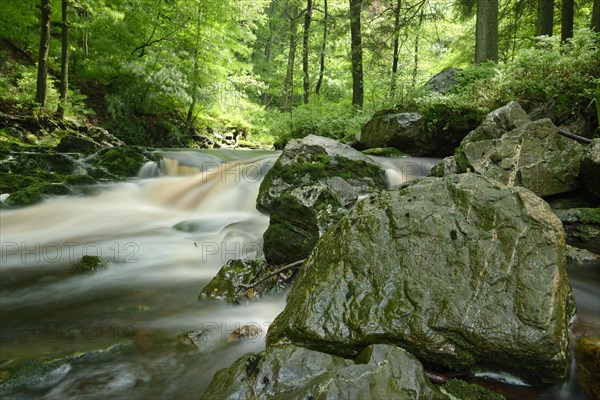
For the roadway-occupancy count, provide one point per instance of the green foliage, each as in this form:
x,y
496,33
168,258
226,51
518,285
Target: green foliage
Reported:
x,y
323,118
567,74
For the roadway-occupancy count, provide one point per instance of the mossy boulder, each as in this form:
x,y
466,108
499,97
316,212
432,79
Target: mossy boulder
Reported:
x,y
590,168
35,193
588,362
461,390
295,373
581,224
91,264
74,142
463,272
25,162
534,156
227,284
311,186
385,152
498,122
124,161
431,129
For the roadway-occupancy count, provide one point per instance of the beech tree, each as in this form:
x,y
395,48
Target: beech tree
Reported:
x,y
357,53
64,65
305,40
42,76
323,49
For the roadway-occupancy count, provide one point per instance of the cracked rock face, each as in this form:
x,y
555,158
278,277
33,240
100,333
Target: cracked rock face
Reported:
x,y
533,155
290,372
462,271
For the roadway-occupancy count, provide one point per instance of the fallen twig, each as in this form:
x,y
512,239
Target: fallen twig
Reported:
x,y
295,264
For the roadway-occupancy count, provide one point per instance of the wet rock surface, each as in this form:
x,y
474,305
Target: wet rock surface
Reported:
x,y
462,272
311,186
291,372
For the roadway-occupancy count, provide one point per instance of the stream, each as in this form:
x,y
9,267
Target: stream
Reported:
x,y
165,235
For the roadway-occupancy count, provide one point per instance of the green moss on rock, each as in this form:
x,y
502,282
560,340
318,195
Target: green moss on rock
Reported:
x,y
91,264
35,193
385,152
123,161
226,285
461,390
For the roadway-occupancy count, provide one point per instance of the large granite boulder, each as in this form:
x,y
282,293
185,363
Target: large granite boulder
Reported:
x,y
461,271
311,186
434,131
590,168
498,122
443,81
534,156
404,131
290,372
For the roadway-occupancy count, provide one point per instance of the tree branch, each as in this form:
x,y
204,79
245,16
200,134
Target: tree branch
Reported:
x,y
293,265
573,136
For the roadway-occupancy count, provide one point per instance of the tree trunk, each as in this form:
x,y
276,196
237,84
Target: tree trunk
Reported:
x,y
545,18
271,38
42,76
305,39
288,81
190,113
323,49
567,15
395,55
356,49
596,16
486,35
416,65
64,66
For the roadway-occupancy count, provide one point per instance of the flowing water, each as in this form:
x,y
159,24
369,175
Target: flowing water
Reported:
x,y
165,236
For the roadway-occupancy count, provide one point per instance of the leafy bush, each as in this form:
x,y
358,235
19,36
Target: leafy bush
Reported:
x,y
338,121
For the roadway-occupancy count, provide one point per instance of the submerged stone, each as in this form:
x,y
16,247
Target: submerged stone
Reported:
x,y
290,372
463,272
91,264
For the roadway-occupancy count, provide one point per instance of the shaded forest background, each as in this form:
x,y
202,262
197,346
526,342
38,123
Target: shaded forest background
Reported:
x,y
180,72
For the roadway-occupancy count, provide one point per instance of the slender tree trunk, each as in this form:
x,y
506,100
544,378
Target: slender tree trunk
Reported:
x,y
595,25
271,38
288,81
395,55
305,40
42,76
356,49
486,35
545,18
190,114
567,15
323,50
64,66
416,65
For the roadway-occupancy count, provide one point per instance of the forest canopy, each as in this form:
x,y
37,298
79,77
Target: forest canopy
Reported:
x,y
168,72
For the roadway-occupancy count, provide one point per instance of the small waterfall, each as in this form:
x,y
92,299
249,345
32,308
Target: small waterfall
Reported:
x,y
402,169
